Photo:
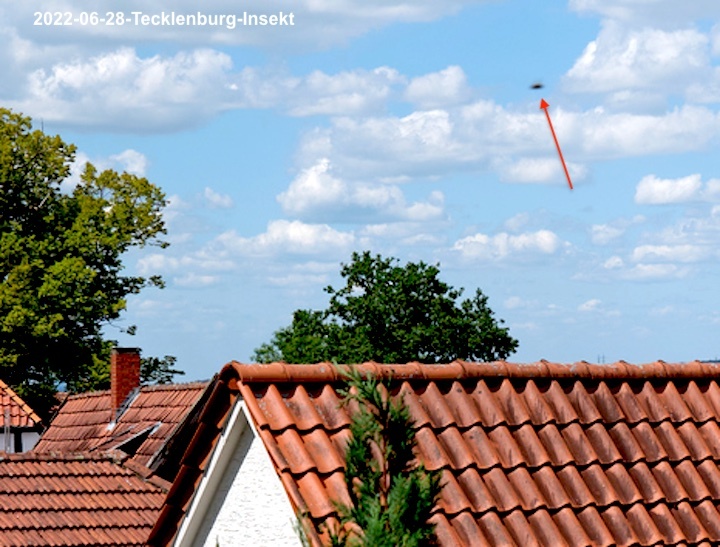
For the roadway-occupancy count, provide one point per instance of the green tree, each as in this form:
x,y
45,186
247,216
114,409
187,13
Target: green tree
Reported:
x,y
154,370
61,271
392,495
392,314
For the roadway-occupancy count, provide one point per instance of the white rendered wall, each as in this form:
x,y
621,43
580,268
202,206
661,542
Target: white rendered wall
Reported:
x,y
29,440
249,506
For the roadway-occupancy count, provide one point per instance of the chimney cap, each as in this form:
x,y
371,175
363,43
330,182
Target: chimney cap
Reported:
x,y
126,350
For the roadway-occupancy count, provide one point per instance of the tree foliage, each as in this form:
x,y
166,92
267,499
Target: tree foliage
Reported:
x,y
392,495
392,314
61,272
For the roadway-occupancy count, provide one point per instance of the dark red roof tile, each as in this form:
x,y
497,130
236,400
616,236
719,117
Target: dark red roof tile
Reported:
x,y
607,405
475,491
78,499
539,454
552,489
623,484
484,399
531,448
15,410
517,524
458,452
707,513
710,432
480,445
574,486
453,499
584,404
526,489
619,527
538,408
504,445
557,399
84,422
594,526
555,446
643,525
710,474
598,436
511,404
626,443
545,530
501,490
579,445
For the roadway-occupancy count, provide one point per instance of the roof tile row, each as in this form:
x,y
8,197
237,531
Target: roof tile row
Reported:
x,y
90,499
85,422
546,454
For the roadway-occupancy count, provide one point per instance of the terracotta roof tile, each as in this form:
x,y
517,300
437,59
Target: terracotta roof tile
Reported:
x,y
539,454
78,499
83,422
16,410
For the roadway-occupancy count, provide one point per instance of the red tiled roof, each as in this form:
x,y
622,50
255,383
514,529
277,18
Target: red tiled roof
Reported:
x,y
82,422
21,415
101,499
543,453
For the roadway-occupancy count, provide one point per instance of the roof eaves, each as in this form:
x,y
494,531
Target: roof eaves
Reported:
x,y
29,412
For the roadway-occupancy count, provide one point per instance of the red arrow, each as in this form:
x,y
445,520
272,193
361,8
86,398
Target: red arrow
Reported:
x,y
544,106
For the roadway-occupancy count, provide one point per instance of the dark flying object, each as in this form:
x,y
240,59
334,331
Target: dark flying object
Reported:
x,y
537,85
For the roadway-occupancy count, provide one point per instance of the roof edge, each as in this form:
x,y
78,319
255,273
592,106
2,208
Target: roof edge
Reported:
x,y
30,413
235,372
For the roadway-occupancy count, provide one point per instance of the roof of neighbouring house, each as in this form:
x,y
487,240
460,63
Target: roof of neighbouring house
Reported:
x,y
12,406
68,500
543,453
84,422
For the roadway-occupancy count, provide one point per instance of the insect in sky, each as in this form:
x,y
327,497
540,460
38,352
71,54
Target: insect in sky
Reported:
x,y
537,85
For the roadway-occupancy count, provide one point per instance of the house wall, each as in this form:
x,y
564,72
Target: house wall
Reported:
x,y
27,441
247,504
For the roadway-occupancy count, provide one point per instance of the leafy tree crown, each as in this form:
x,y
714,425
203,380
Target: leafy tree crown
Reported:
x,y
62,278
392,314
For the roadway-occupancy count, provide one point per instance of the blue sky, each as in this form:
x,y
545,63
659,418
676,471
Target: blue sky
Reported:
x,y
408,129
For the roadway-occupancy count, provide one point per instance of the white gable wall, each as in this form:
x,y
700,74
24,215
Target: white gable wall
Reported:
x,y
241,500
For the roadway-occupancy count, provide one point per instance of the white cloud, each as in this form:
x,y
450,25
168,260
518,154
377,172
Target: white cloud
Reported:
x,y
590,305
649,272
216,200
602,234
122,91
655,191
283,236
503,246
438,89
543,170
669,253
622,59
317,193
517,222
349,92
652,190
131,161
318,23
613,263
195,280
486,136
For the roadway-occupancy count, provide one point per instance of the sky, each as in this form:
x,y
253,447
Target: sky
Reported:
x,y
409,129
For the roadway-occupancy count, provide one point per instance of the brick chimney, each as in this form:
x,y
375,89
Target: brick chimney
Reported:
x,y
124,375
